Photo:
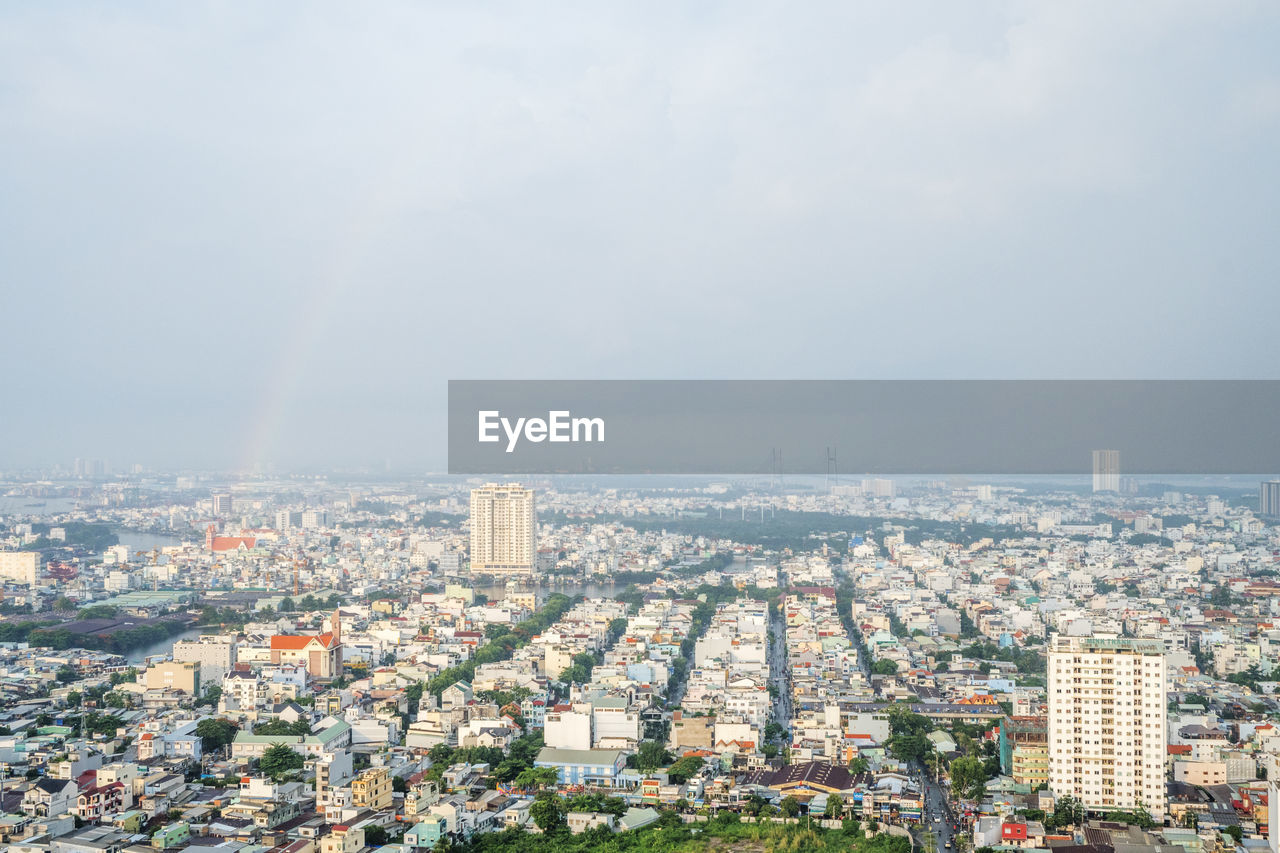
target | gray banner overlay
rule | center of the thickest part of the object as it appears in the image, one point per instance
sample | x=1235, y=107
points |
x=868, y=426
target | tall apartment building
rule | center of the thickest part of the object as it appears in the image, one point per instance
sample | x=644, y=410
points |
x=1269, y=498
x=1107, y=735
x=214, y=656
x=314, y=519
x=1106, y=470
x=222, y=505
x=503, y=530
x=20, y=567
x=288, y=519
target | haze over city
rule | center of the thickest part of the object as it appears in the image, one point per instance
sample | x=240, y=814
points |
x=341, y=512
x=242, y=235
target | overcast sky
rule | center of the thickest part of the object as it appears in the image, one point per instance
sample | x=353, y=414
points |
x=244, y=232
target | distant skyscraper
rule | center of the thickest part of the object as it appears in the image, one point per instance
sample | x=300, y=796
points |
x=503, y=530
x=1106, y=470
x=1269, y=498
x=287, y=519
x=314, y=519
x=1107, y=737
x=222, y=504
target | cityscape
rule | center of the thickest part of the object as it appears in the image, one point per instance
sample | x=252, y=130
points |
x=317, y=663
x=747, y=427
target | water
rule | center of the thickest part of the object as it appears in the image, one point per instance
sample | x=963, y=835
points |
x=162, y=647
x=22, y=505
x=591, y=589
x=138, y=541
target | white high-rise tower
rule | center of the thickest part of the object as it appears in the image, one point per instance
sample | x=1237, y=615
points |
x=1107, y=736
x=503, y=530
x=1106, y=470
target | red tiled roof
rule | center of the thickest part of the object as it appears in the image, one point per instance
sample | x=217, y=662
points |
x=232, y=543
x=298, y=642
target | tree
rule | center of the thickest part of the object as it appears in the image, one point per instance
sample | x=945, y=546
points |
x=129, y=676
x=547, y=811
x=66, y=674
x=1067, y=812
x=537, y=777
x=279, y=760
x=1139, y=817
x=651, y=756
x=374, y=835
x=215, y=733
x=910, y=747
x=904, y=722
x=884, y=666
x=790, y=806
x=1235, y=832
x=212, y=695
x=73, y=699
x=682, y=770
x=287, y=605
x=859, y=765
x=968, y=776
x=277, y=726
x=834, y=809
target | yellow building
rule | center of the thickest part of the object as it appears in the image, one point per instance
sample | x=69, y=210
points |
x=181, y=675
x=372, y=789
x=21, y=567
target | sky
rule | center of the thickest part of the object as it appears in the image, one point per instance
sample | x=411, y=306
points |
x=235, y=234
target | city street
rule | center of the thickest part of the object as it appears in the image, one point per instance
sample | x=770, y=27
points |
x=937, y=814
x=778, y=674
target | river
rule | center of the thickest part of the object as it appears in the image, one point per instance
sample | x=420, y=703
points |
x=22, y=505
x=494, y=590
x=162, y=647
x=136, y=540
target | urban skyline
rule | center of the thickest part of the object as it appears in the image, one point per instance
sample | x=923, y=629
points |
x=703, y=428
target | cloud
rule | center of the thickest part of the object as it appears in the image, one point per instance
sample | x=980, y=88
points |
x=295, y=208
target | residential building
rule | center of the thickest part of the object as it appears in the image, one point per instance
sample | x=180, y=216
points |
x=1106, y=470
x=1107, y=732
x=372, y=789
x=321, y=654
x=503, y=530
x=1269, y=499
x=20, y=567
x=174, y=675
x=599, y=767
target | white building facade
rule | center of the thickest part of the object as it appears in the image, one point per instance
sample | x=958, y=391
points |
x=1107, y=722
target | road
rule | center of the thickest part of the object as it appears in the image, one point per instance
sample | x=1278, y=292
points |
x=937, y=814
x=779, y=674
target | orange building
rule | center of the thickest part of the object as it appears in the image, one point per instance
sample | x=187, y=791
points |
x=321, y=654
